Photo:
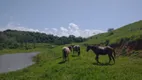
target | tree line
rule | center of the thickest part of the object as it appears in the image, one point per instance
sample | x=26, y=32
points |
x=15, y=39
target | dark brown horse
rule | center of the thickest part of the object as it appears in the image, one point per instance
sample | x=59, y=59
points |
x=66, y=51
x=75, y=48
x=102, y=51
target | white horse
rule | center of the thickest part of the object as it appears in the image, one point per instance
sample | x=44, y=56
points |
x=66, y=52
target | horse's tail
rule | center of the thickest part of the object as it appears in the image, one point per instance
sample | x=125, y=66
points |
x=113, y=51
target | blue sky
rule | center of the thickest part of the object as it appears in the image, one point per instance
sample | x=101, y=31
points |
x=64, y=17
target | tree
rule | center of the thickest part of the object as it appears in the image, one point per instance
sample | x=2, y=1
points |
x=23, y=38
x=3, y=38
x=110, y=29
x=11, y=43
x=71, y=38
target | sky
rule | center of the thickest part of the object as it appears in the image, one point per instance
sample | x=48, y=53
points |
x=68, y=17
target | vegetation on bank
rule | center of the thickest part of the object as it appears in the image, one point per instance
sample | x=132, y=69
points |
x=38, y=48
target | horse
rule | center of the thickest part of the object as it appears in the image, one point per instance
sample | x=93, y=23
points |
x=76, y=48
x=66, y=51
x=98, y=50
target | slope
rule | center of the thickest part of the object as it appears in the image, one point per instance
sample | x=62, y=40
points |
x=130, y=32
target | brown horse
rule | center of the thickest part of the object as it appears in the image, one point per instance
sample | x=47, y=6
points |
x=102, y=51
x=66, y=51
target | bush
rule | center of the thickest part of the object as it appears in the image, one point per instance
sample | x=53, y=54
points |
x=107, y=42
x=134, y=54
x=110, y=33
x=1, y=46
x=14, y=45
x=124, y=52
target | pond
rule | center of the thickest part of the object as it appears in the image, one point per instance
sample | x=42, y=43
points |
x=13, y=62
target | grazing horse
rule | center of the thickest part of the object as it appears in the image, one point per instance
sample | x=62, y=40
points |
x=102, y=51
x=66, y=51
x=76, y=48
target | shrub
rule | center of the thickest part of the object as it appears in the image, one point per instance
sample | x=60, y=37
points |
x=110, y=33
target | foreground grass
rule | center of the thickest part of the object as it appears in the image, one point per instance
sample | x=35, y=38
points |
x=49, y=66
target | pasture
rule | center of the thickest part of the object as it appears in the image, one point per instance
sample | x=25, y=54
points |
x=49, y=66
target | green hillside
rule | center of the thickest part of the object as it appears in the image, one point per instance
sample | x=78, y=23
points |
x=131, y=31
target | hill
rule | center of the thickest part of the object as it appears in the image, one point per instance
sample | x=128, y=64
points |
x=128, y=36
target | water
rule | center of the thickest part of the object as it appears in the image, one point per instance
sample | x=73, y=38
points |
x=13, y=62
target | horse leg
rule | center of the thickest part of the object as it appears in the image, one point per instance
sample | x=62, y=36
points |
x=63, y=55
x=73, y=51
x=68, y=57
x=113, y=58
x=109, y=58
x=79, y=52
x=97, y=58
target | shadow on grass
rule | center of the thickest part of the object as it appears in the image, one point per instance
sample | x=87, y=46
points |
x=58, y=57
x=74, y=55
x=61, y=62
x=103, y=64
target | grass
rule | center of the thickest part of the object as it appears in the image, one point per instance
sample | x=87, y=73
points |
x=49, y=66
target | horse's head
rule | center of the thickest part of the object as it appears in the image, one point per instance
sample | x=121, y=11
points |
x=70, y=47
x=91, y=47
x=88, y=48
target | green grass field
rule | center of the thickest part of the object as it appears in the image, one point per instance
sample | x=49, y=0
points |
x=49, y=66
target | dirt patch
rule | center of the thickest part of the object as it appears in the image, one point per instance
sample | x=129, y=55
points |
x=127, y=47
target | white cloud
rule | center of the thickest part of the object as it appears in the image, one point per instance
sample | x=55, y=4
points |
x=54, y=29
x=72, y=29
x=63, y=29
x=45, y=28
x=15, y=26
x=73, y=26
